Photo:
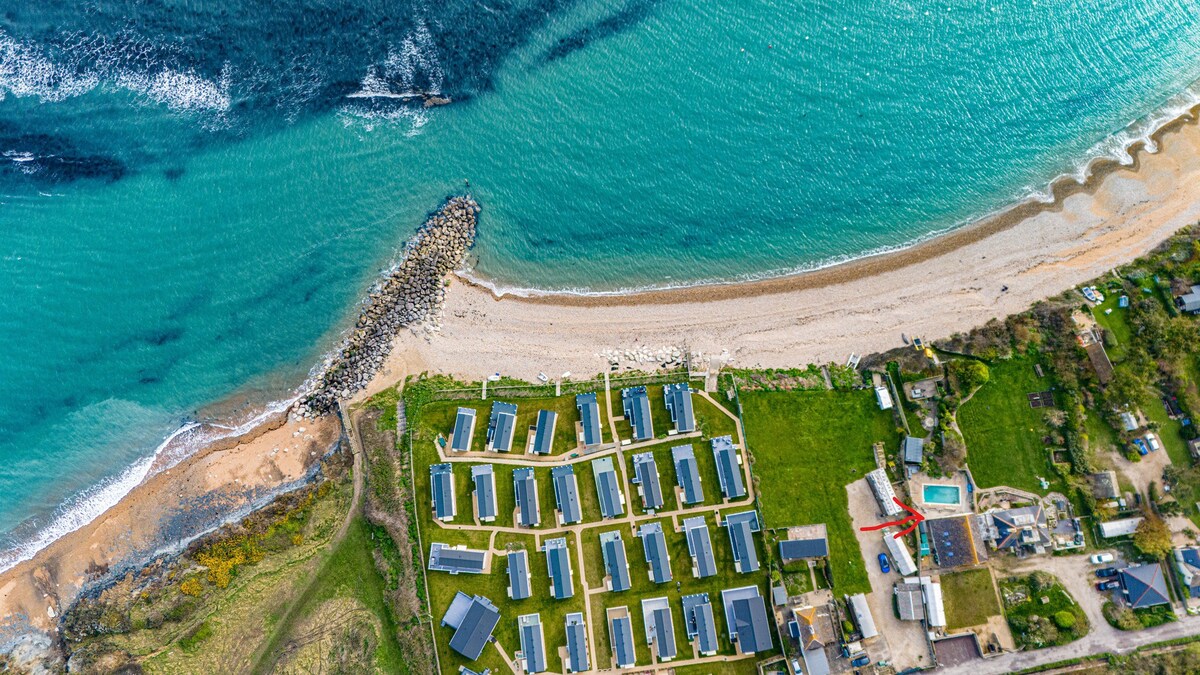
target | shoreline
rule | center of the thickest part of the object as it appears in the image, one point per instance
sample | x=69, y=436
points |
x=1095, y=171
x=952, y=282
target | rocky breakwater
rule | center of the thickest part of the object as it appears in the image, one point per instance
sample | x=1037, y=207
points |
x=409, y=294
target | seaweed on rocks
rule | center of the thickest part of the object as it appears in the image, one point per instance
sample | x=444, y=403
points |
x=409, y=294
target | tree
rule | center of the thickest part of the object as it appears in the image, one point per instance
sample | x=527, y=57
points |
x=970, y=374
x=1153, y=537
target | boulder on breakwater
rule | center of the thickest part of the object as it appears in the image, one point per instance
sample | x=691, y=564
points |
x=410, y=293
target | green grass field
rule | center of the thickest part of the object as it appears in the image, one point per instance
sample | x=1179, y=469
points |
x=970, y=598
x=1117, y=323
x=1003, y=434
x=807, y=446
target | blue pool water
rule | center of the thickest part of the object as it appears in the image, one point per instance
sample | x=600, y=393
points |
x=941, y=494
x=193, y=195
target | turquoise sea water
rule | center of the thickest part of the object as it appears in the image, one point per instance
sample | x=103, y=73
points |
x=193, y=200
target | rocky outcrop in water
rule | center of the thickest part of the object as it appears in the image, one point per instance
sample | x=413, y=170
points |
x=408, y=295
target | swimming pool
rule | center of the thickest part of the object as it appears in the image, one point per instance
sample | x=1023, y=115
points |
x=941, y=494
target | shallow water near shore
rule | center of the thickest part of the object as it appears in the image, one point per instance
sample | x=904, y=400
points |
x=192, y=224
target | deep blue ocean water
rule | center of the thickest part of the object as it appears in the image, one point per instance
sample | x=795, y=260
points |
x=193, y=195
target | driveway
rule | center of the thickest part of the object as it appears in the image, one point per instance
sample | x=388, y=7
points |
x=1076, y=575
x=900, y=642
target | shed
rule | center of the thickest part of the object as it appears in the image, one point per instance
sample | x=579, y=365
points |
x=913, y=450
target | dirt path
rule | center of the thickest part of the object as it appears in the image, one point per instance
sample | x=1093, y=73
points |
x=265, y=659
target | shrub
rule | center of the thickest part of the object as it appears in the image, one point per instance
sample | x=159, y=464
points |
x=191, y=586
x=1064, y=620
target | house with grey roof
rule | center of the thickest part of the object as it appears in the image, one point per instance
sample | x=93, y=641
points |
x=741, y=528
x=654, y=545
x=464, y=430
x=645, y=476
x=608, y=488
x=636, y=404
x=621, y=638
x=566, y=494
x=502, y=425
x=1023, y=528
x=1187, y=562
x=1189, y=302
x=1144, y=586
x=441, y=481
x=463, y=670
x=704, y=564
x=473, y=620
x=456, y=559
x=558, y=566
x=912, y=449
x=660, y=630
x=687, y=474
x=525, y=491
x=533, y=643
x=577, y=648
x=519, y=577
x=678, y=398
x=589, y=419
x=805, y=548
x=484, y=478
x=616, y=565
x=543, y=433
x=729, y=467
x=700, y=624
x=746, y=619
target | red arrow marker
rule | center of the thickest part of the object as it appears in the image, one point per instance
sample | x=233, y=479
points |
x=911, y=520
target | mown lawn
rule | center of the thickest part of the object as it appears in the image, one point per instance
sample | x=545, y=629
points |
x=807, y=446
x=1003, y=434
x=1117, y=323
x=970, y=598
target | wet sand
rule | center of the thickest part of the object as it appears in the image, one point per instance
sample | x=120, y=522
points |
x=945, y=285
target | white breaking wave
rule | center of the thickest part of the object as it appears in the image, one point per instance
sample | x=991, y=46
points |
x=86, y=506
x=410, y=70
x=26, y=70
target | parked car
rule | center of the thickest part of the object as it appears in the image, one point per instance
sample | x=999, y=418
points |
x=860, y=661
x=1101, y=558
x=883, y=563
x=1106, y=572
x=1110, y=585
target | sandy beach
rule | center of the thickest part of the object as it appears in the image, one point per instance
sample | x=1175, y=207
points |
x=932, y=290
x=224, y=478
